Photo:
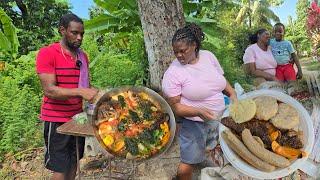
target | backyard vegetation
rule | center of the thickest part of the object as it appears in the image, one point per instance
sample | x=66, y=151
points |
x=115, y=45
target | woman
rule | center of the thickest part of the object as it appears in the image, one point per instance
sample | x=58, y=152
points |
x=258, y=59
x=193, y=85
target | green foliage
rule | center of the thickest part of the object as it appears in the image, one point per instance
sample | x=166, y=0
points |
x=116, y=16
x=255, y=13
x=120, y=61
x=240, y=40
x=314, y=66
x=227, y=43
x=296, y=31
x=35, y=19
x=8, y=37
x=20, y=99
x=115, y=70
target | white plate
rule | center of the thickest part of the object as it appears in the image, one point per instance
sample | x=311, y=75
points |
x=305, y=126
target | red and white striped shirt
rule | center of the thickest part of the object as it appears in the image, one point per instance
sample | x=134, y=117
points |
x=52, y=60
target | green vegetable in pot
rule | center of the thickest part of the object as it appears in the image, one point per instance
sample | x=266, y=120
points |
x=80, y=118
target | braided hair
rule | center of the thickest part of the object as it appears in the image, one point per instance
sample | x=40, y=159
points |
x=190, y=33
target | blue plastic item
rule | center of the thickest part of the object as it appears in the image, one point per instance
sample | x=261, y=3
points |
x=226, y=100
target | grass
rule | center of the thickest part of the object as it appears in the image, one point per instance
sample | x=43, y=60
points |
x=314, y=66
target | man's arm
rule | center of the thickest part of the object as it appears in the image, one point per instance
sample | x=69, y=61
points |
x=51, y=90
x=297, y=62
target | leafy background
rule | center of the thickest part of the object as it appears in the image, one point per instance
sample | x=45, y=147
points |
x=114, y=43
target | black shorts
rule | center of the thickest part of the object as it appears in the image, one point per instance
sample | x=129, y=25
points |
x=60, y=154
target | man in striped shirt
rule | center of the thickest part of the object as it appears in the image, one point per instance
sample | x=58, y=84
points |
x=63, y=72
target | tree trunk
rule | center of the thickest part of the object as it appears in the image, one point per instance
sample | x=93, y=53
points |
x=160, y=19
x=249, y=14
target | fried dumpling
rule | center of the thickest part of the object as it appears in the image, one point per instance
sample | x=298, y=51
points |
x=286, y=118
x=267, y=107
x=243, y=110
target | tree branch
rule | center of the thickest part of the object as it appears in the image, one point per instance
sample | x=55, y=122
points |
x=23, y=8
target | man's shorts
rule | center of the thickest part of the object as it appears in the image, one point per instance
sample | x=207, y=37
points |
x=60, y=155
x=286, y=72
x=194, y=138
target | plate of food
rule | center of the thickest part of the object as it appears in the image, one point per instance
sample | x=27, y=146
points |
x=266, y=134
x=133, y=123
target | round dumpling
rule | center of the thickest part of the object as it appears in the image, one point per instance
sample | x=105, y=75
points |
x=243, y=110
x=267, y=107
x=286, y=118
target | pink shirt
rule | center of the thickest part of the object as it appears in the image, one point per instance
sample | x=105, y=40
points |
x=264, y=60
x=200, y=85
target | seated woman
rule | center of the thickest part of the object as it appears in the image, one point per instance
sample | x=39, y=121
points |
x=258, y=59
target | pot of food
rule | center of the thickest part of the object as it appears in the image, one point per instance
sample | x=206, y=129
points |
x=133, y=123
x=268, y=136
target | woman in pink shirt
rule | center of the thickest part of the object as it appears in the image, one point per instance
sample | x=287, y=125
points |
x=193, y=85
x=258, y=59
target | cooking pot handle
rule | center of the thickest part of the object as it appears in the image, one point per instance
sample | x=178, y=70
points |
x=310, y=168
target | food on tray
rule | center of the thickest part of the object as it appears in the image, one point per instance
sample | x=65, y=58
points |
x=267, y=107
x=239, y=148
x=287, y=152
x=261, y=152
x=286, y=118
x=243, y=110
x=275, y=141
x=132, y=125
x=258, y=128
x=290, y=138
x=258, y=139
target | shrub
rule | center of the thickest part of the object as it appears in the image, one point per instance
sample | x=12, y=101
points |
x=120, y=61
x=20, y=99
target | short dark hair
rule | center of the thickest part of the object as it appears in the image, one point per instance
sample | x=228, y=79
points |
x=279, y=24
x=254, y=37
x=67, y=18
x=190, y=33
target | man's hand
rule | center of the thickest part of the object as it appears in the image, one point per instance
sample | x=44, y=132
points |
x=299, y=74
x=205, y=114
x=88, y=93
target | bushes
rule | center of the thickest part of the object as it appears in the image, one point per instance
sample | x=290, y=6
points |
x=120, y=61
x=240, y=39
x=116, y=70
x=20, y=99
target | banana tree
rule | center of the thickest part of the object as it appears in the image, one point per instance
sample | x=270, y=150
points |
x=206, y=14
x=8, y=38
x=118, y=16
x=257, y=12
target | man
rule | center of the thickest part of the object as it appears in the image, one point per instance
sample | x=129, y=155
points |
x=63, y=72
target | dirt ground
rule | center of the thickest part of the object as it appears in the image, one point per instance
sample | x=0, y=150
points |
x=31, y=166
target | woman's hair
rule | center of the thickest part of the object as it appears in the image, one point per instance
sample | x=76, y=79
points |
x=190, y=33
x=67, y=18
x=254, y=37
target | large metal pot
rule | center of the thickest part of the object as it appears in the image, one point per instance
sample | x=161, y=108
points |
x=153, y=95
